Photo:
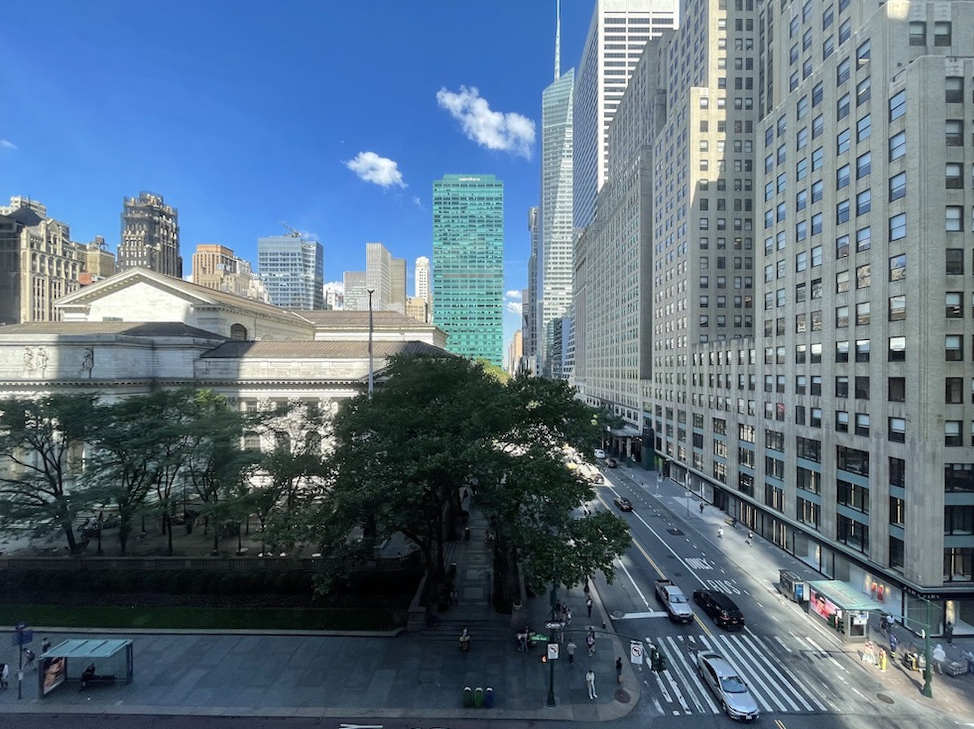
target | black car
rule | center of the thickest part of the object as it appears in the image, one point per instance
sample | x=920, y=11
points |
x=720, y=608
x=623, y=503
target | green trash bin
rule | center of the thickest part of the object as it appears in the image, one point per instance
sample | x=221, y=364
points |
x=467, y=697
x=478, y=697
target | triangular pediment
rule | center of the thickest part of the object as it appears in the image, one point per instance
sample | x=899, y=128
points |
x=132, y=277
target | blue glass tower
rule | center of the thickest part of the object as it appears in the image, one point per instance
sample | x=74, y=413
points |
x=468, y=265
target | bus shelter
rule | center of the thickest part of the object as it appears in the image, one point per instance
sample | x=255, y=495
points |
x=842, y=607
x=111, y=660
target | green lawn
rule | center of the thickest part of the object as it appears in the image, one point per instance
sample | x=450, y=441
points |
x=201, y=618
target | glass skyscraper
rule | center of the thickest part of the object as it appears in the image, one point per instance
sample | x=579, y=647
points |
x=468, y=265
x=293, y=270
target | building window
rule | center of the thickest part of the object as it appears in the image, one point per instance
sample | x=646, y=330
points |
x=954, y=89
x=864, y=202
x=862, y=313
x=863, y=276
x=897, y=227
x=896, y=389
x=953, y=390
x=918, y=33
x=954, y=132
x=862, y=424
x=897, y=307
x=952, y=304
x=954, y=348
x=841, y=317
x=842, y=351
x=897, y=349
x=897, y=267
x=952, y=433
x=954, y=261
x=852, y=495
x=897, y=105
x=897, y=186
x=862, y=350
x=852, y=533
x=941, y=33
x=954, y=218
x=852, y=460
x=808, y=512
x=954, y=176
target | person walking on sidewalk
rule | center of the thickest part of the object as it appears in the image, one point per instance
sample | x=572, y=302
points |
x=748, y=540
x=571, y=651
x=700, y=506
x=588, y=605
x=4, y=672
x=619, y=669
x=590, y=684
x=590, y=642
x=949, y=632
x=569, y=616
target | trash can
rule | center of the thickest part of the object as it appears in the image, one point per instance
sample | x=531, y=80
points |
x=489, y=698
x=467, y=697
x=478, y=697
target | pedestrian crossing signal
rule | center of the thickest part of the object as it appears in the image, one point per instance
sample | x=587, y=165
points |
x=544, y=657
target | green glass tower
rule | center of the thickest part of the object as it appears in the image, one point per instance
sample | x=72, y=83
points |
x=468, y=265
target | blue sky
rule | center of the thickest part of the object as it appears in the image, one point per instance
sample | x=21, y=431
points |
x=245, y=114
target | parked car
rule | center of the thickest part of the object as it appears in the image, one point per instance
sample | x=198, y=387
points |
x=611, y=462
x=623, y=503
x=720, y=608
x=599, y=454
x=729, y=688
x=674, y=601
x=596, y=478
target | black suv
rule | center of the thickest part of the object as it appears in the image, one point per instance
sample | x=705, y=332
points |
x=720, y=608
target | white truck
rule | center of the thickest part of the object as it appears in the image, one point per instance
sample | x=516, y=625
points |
x=676, y=603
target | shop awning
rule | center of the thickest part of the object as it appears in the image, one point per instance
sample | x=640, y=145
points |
x=626, y=432
x=846, y=597
x=88, y=648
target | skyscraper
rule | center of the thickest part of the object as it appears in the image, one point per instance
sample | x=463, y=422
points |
x=468, y=264
x=397, y=292
x=216, y=267
x=555, y=265
x=292, y=268
x=150, y=235
x=616, y=36
x=422, y=278
x=386, y=276
x=530, y=312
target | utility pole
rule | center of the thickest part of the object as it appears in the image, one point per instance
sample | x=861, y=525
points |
x=371, y=291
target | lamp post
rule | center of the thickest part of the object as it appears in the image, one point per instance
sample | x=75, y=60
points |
x=927, y=668
x=551, y=682
x=686, y=485
x=371, y=291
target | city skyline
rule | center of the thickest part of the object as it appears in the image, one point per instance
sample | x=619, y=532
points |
x=311, y=178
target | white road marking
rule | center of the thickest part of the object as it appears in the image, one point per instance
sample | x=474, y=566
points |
x=763, y=654
x=733, y=655
x=649, y=614
x=698, y=563
x=782, y=644
x=676, y=690
x=692, y=676
x=658, y=707
x=635, y=586
x=827, y=655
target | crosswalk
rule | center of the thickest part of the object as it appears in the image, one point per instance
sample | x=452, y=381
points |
x=776, y=669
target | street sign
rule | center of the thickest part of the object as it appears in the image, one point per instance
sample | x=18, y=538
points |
x=636, y=651
x=22, y=637
x=554, y=625
x=552, y=651
x=20, y=626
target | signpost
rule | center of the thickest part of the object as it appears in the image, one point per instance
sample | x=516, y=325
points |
x=21, y=637
x=636, y=652
x=552, y=657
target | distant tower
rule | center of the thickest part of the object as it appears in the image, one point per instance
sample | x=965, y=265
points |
x=422, y=277
x=292, y=268
x=150, y=235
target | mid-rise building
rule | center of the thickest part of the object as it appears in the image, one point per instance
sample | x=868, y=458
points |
x=397, y=293
x=334, y=292
x=515, y=353
x=422, y=278
x=150, y=235
x=468, y=264
x=356, y=291
x=39, y=262
x=292, y=269
x=418, y=308
x=617, y=34
x=216, y=267
x=386, y=277
x=99, y=261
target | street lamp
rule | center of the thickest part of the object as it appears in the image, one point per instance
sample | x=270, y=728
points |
x=371, y=291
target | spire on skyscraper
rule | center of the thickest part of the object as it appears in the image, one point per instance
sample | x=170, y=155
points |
x=557, y=39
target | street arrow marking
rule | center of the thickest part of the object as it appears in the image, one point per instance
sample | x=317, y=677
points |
x=650, y=614
x=359, y=726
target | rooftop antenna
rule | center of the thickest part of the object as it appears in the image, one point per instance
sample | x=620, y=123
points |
x=294, y=233
x=557, y=39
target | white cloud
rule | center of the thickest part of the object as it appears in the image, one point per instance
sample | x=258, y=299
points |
x=513, y=294
x=514, y=307
x=370, y=167
x=7, y=144
x=338, y=286
x=508, y=132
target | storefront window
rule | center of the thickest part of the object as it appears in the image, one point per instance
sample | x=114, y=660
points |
x=807, y=550
x=961, y=614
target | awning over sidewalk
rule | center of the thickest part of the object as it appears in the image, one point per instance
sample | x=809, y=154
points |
x=626, y=432
x=112, y=659
x=845, y=596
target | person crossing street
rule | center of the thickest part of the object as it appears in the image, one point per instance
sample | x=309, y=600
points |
x=590, y=684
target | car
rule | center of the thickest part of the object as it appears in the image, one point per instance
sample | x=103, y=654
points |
x=599, y=454
x=720, y=608
x=729, y=688
x=611, y=462
x=596, y=478
x=623, y=503
x=674, y=601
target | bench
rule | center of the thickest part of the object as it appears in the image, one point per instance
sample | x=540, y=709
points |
x=106, y=680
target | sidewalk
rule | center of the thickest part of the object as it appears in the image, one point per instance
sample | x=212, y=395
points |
x=412, y=675
x=762, y=560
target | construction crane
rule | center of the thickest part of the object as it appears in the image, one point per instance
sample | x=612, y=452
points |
x=294, y=233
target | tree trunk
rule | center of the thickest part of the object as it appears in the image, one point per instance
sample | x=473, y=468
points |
x=69, y=535
x=123, y=534
x=216, y=538
x=168, y=527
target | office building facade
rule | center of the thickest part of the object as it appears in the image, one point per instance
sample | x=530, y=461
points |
x=150, y=235
x=356, y=289
x=422, y=278
x=468, y=264
x=618, y=31
x=292, y=269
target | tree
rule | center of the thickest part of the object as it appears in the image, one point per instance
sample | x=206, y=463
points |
x=37, y=485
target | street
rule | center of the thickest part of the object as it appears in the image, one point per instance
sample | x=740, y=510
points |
x=794, y=667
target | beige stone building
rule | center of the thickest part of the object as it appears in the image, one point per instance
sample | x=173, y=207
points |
x=216, y=267
x=99, y=261
x=39, y=262
x=418, y=308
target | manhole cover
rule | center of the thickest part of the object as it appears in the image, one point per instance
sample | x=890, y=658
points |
x=885, y=698
x=675, y=532
x=622, y=696
x=616, y=614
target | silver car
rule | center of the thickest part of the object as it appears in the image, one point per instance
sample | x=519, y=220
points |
x=729, y=688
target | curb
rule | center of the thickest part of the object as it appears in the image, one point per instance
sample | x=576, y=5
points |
x=616, y=709
x=215, y=631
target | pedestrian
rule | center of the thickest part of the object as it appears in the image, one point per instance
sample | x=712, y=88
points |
x=590, y=684
x=45, y=645
x=748, y=540
x=590, y=643
x=569, y=616
x=4, y=672
x=619, y=669
x=893, y=641
x=720, y=532
x=588, y=605
x=949, y=632
x=571, y=651
x=700, y=506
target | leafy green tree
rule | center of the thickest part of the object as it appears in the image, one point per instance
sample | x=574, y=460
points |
x=38, y=486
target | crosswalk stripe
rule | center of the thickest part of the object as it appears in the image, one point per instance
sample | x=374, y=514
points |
x=732, y=657
x=692, y=676
x=676, y=690
x=827, y=655
x=761, y=654
x=675, y=654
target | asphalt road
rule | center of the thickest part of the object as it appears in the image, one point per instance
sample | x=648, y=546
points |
x=795, y=668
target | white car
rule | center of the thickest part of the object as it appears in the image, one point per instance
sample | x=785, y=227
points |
x=731, y=690
x=599, y=454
